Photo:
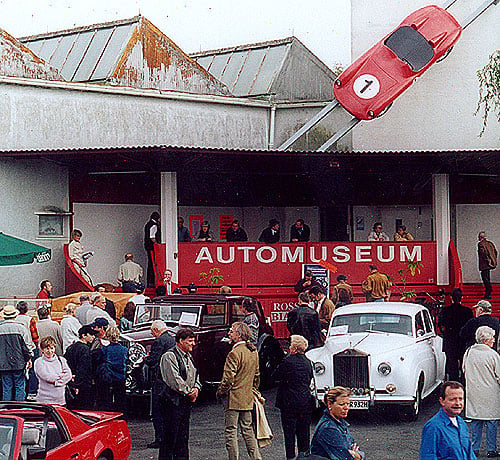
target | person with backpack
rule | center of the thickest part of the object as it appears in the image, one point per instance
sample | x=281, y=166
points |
x=342, y=292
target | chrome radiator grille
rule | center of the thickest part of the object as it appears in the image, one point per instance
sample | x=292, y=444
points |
x=350, y=370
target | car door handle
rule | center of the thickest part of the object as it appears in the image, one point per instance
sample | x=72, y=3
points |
x=75, y=455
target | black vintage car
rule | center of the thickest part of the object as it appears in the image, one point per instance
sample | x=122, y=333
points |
x=210, y=316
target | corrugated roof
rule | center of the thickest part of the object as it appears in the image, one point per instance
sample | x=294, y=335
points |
x=88, y=53
x=247, y=70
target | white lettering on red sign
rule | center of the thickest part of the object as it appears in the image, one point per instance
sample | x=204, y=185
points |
x=339, y=254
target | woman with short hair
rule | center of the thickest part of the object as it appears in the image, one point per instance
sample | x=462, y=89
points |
x=332, y=438
x=294, y=398
x=481, y=366
x=53, y=374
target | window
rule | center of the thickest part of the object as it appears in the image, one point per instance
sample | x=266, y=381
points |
x=428, y=322
x=379, y=322
x=237, y=314
x=213, y=315
x=411, y=47
x=419, y=325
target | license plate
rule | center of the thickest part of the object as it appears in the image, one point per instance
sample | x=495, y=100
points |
x=359, y=404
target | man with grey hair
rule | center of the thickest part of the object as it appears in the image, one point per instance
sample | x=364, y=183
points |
x=239, y=379
x=293, y=398
x=483, y=318
x=97, y=310
x=487, y=255
x=162, y=343
x=481, y=366
x=81, y=311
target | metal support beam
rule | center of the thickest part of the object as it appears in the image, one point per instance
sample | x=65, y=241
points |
x=339, y=134
x=312, y=122
x=479, y=12
x=448, y=4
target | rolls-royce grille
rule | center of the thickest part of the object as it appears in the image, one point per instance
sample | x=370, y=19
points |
x=350, y=370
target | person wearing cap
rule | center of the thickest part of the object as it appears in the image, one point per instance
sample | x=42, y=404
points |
x=49, y=328
x=129, y=274
x=271, y=234
x=306, y=283
x=80, y=363
x=162, y=343
x=97, y=310
x=483, y=318
x=14, y=355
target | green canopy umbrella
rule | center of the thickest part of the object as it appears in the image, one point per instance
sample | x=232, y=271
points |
x=14, y=251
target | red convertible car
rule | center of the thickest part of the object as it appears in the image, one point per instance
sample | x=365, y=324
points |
x=371, y=83
x=42, y=431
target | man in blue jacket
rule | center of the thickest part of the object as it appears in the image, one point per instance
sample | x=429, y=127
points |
x=446, y=436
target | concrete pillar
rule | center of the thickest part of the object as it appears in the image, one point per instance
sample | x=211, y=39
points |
x=442, y=226
x=168, y=211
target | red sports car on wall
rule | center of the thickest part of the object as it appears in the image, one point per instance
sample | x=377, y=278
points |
x=372, y=82
x=41, y=431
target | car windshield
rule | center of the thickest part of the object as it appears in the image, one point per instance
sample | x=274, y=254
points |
x=380, y=322
x=184, y=314
x=7, y=435
x=411, y=47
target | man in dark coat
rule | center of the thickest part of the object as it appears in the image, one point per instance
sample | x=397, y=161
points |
x=152, y=236
x=163, y=342
x=294, y=398
x=306, y=283
x=483, y=318
x=300, y=232
x=271, y=234
x=80, y=363
x=487, y=255
x=304, y=320
x=236, y=233
x=451, y=319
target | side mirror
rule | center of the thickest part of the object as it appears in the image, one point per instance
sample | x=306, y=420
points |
x=36, y=453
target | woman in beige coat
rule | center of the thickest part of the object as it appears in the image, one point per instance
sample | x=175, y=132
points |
x=481, y=366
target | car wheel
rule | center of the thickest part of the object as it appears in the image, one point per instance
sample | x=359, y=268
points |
x=445, y=55
x=410, y=412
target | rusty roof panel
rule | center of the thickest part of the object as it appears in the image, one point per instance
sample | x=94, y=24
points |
x=16, y=60
x=233, y=69
x=60, y=55
x=76, y=54
x=113, y=50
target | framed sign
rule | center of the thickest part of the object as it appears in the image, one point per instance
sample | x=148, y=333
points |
x=321, y=275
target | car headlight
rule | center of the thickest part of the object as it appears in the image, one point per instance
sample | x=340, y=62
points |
x=319, y=368
x=384, y=369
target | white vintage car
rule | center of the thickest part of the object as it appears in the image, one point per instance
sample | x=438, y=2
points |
x=385, y=352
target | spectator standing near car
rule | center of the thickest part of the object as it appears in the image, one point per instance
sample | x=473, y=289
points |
x=376, y=286
x=129, y=273
x=183, y=235
x=80, y=362
x=29, y=322
x=239, y=380
x=271, y=234
x=45, y=290
x=294, y=398
x=162, y=343
x=377, y=234
x=482, y=380
x=451, y=319
x=181, y=389
x=49, y=328
x=14, y=356
x=323, y=305
x=306, y=283
x=127, y=319
x=332, y=439
x=110, y=373
x=85, y=305
x=483, y=318
x=110, y=305
x=97, y=310
x=402, y=234
x=342, y=292
x=446, y=436
x=152, y=236
x=53, y=373
x=236, y=233
x=69, y=326
x=487, y=256
x=304, y=320
x=249, y=309
x=300, y=232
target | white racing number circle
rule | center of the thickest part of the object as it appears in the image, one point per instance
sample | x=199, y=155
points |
x=366, y=86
